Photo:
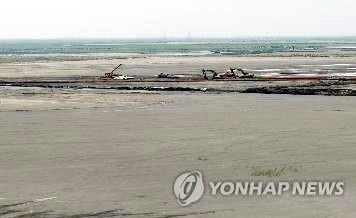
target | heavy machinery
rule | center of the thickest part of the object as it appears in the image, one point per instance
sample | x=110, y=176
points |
x=231, y=73
x=169, y=76
x=227, y=74
x=205, y=75
x=243, y=73
x=111, y=75
x=114, y=76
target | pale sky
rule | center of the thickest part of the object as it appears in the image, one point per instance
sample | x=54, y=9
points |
x=175, y=18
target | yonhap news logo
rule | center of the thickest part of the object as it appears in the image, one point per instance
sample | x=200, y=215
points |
x=189, y=188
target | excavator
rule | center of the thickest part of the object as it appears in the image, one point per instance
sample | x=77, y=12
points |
x=204, y=71
x=111, y=74
x=231, y=73
x=114, y=76
x=244, y=74
x=227, y=74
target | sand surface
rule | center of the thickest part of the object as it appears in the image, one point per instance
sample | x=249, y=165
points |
x=180, y=65
x=79, y=152
x=88, y=151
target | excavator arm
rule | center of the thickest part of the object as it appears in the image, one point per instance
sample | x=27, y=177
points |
x=111, y=74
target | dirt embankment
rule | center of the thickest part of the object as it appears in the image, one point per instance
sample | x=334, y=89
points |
x=293, y=87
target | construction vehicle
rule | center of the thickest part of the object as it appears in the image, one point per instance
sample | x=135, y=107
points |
x=111, y=75
x=227, y=74
x=169, y=76
x=231, y=73
x=205, y=75
x=163, y=75
x=114, y=76
x=244, y=74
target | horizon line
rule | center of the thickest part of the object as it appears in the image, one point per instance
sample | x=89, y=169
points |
x=180, y=38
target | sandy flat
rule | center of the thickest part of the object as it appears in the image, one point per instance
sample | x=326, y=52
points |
x=177, y=65
x=126, y=153
x=71, y=151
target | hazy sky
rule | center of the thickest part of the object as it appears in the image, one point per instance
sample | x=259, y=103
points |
x=175, y=18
